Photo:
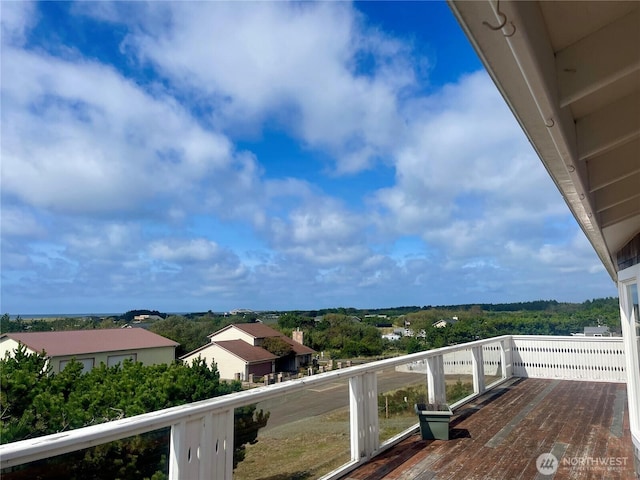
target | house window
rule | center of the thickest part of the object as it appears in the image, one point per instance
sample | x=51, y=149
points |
x=116, y=359
x=87, y=364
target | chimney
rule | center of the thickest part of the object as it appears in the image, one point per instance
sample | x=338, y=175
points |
x=298, y=336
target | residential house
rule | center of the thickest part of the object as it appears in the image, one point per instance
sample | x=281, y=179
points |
x=235, y=359
x=93, y=347
x=444, y=322
x=237, y=351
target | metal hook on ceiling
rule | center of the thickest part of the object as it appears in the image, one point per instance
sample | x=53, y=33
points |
x=503, y=22
x=501, y=15
x=513, y=32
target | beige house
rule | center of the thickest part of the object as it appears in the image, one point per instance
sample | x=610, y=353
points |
x=237, y=351
x=93, y=347
x=235, y=359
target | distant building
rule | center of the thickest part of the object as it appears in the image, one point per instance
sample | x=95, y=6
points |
x=600, y=331
x=240, y=311
x=150, y=318
x=444, y=322
x=237, y=351
x=394, y=337
x=93, y=347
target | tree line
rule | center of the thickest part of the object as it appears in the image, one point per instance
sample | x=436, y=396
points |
x=348, y=332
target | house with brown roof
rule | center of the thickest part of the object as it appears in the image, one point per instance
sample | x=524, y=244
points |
x=93, y=347
x=238, y=351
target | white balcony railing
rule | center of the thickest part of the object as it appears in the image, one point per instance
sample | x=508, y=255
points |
x=207, y=426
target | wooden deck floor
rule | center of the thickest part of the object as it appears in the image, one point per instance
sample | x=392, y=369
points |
x=501, y=434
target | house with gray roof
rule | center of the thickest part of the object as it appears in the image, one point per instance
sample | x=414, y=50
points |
x=600, y=331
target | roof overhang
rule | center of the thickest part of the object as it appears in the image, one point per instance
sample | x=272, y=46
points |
x=570, y=73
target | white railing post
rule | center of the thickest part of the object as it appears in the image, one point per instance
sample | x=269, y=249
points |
x=477, y=363
x=363, y=407
x=507, y=367
x=202, y=448
x=435, y=380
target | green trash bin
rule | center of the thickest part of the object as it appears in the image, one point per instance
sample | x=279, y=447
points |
x=434, y=420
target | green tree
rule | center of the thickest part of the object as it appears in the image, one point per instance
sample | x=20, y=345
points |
x=277, y=346
x=35, y=402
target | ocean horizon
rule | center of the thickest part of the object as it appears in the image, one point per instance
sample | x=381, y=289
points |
x=35, y=316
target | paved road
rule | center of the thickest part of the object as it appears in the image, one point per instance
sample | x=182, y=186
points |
x=326, y=398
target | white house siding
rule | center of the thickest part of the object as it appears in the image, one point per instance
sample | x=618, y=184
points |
x=228, y=364
x=234, y=334
x=7, y=346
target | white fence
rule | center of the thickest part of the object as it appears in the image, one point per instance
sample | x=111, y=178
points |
x=460, y=362
x=593, y=359
x=207, y=426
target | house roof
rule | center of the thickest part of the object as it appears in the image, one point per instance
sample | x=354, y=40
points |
x=78, y=342
x=595, y=330
x=239, y=348
x=246, y=351
x=260, y=330
x=256, y=330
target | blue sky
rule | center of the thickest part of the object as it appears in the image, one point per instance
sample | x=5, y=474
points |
x=220, y=155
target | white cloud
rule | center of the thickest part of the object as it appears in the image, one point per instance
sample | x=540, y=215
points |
x=94, y=241
x=466, y=173
x=19, y=222
x=292, y=63
x=322, y=232
x=16, y=19
x=97, y=142
x=199, y=250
